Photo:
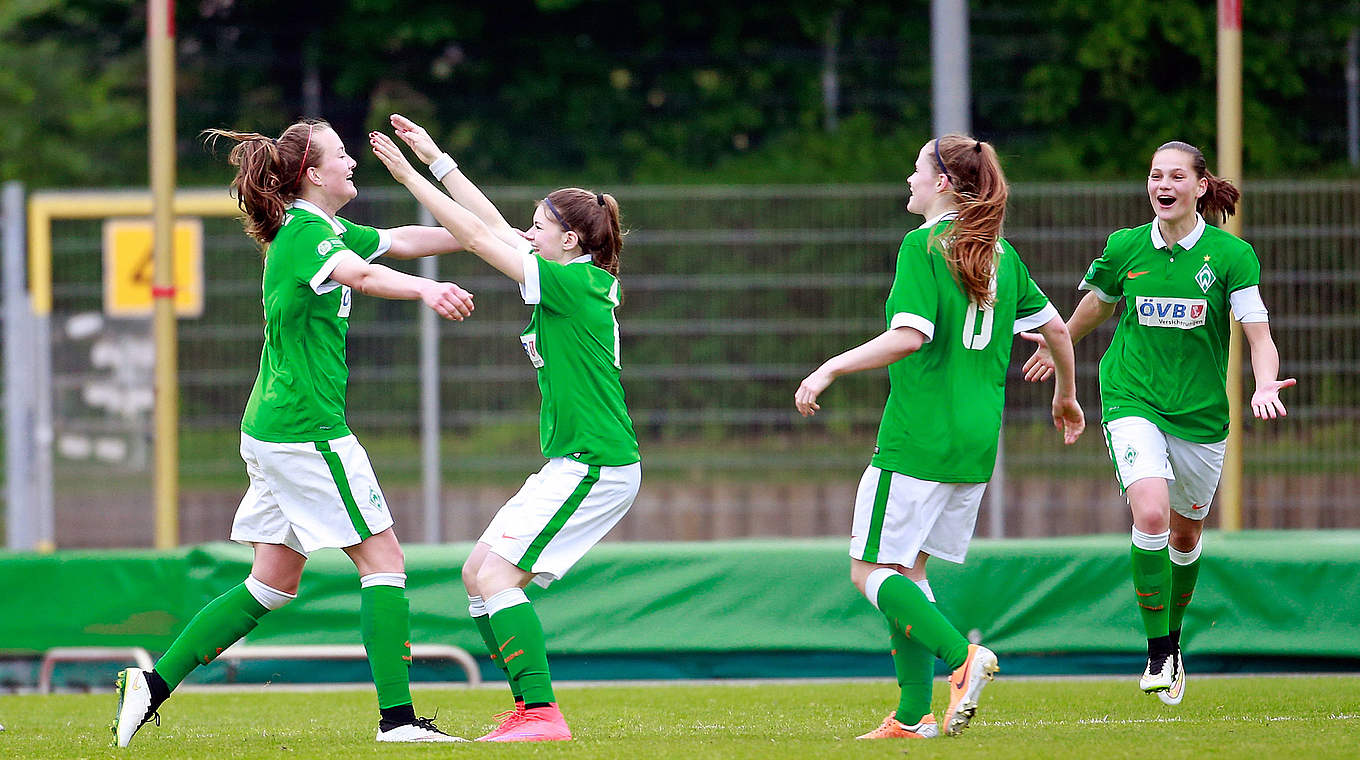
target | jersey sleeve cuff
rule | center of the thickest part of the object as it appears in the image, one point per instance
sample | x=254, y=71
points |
x=1247, y=305
x=384, y=244
x=1102, y=295
x=905, y=319
x=531, y=289
x=1037, y=319
x=321, y=282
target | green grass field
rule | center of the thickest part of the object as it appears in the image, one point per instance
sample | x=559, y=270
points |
x=1225, y=717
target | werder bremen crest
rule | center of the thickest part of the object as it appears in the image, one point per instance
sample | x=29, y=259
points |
x=1205, y=277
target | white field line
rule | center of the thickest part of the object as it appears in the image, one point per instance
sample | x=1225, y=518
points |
x=1107, y=720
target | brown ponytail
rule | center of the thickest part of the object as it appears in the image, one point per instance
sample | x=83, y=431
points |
x=269, y=173
x=594, y=217
x=1220, y=199
x=970, y=245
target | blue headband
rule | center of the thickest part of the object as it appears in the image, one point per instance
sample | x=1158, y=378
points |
x=565, y=227
x=940, y=161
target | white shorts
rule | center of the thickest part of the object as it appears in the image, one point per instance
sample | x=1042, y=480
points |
x=309, y=496
x=898, y=516
x=1140, y=450
x=559, y=513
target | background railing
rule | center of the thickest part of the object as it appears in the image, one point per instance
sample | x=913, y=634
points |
x=730, y=296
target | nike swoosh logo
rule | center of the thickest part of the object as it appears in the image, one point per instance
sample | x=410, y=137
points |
x=963, y=678
x=510, y=537
x=1132, y=275
x=507, y=643
x=1150, y=593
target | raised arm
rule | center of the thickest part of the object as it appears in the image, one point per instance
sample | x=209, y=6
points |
x=445, y=298
x=416, y=241
x=893, y=345
x=467, y=194
x=1088, y=315
x=476, y=237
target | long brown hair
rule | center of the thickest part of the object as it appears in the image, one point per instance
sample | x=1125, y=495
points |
x=1220, y=199
x=269, y=172
x=979, y=185
x=594, y=217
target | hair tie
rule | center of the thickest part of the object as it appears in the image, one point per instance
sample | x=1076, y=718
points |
x=305, y=148
x=977, y=146
x=599, y=198
x=940, y=161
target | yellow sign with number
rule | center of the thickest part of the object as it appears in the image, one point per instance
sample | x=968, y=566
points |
x=129, y=271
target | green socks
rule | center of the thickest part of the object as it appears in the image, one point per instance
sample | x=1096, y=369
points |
x=908, y=610
x=518, y=638
x=1152, y=581
x=1184, y=574
x=915, y=668
x=385, y=622
x=477, y=609
x=217, y=626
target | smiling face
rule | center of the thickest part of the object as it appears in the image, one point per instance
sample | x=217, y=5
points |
x=1173, y=187
x=329, y=181
x=549, y=239
x=926, y=184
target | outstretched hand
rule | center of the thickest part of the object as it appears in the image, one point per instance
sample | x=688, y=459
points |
x=1040, y=366
x=805, y=398
x=448, y=300
x=416, y=138
x=392, y=157
x=1266, y=403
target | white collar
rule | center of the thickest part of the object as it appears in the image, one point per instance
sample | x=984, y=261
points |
x=308, y=206
x=1186, y=242
x=951, y=214
x=583, y=257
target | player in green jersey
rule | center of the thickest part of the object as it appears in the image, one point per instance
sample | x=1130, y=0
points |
x=960, y=294
x=567, y=268
x=1163, y=381
x=311, y=484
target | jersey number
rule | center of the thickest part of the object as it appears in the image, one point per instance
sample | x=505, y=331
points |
x=976, y=338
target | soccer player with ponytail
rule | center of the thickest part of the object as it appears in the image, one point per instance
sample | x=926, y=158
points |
x=311, y=484
x=1163, y=381
x=960, y=294
x=567, y=268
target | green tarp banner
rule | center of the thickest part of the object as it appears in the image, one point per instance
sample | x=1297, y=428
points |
x=1260, y=594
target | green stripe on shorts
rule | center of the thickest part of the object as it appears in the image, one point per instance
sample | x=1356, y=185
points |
x=342, y=485
x=559, y=519
x=1109, y=446
x=875, y=536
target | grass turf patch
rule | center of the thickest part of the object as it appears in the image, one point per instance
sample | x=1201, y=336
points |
x=1317, y=717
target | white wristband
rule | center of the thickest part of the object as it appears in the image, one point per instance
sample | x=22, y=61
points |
x=442, y=165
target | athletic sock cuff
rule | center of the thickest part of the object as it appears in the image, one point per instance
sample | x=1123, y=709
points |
x=924, y=585
x=1185, y=558
x=383, y=579
x=269, y=598
x=504, y=600
x=875, y=581
x=1151, y=542
x=476, y=607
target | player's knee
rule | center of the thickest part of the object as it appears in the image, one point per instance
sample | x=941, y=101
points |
x=470, y=577
x=269, y=597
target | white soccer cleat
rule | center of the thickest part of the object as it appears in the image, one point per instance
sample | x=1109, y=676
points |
x=1176, y=693
x=1159, y=674
x=965, y=687
x=134, y=705
x=422, y=731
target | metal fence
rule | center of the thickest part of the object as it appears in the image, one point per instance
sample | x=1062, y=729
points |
x=730, y=296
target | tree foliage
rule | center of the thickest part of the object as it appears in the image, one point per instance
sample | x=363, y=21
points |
x=607, y=91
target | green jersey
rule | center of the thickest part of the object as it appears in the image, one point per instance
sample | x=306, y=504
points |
x=573, y=341
x=1167, y=362
x=299, y=394
x=943, y=413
